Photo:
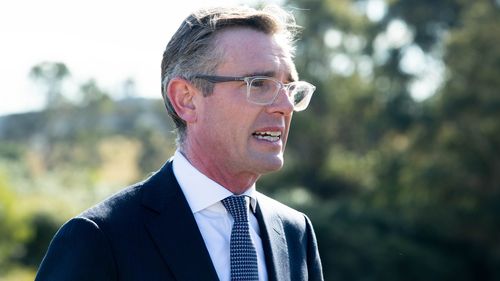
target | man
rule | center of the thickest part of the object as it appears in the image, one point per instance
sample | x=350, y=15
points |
x=230, y=85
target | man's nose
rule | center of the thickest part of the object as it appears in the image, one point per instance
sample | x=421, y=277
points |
x=282, y=104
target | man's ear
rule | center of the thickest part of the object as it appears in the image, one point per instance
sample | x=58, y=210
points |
x=181, y=94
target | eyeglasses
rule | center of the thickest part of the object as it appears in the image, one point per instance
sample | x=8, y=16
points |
x=263, y=90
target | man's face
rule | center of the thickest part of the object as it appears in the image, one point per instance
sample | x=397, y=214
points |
x=235, y=136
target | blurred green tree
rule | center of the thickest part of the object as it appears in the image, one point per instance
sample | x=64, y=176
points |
x=51, y=75
x=14, y=229
x=398, y=189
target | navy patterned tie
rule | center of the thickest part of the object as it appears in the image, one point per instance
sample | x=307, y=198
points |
x=243, y=254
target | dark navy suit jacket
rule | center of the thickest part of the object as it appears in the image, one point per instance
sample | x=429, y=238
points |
x=147, y=232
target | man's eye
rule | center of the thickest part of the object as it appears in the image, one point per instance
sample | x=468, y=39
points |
x=258, y=83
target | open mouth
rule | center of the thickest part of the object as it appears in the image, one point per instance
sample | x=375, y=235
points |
x=271, y=136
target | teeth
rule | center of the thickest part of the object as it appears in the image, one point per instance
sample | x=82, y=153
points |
x=268, y=135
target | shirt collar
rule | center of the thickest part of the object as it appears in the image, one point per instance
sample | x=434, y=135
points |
x=200, y=191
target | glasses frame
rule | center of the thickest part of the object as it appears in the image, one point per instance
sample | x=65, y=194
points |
x=249, y=79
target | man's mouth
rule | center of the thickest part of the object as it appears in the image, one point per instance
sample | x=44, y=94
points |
x=271, y=136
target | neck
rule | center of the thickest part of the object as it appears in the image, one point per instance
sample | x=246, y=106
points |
x=235, y=182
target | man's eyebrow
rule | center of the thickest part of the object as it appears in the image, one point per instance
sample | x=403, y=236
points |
x=269, y=74
x=261, y=73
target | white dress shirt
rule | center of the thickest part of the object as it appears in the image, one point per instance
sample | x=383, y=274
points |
x=215, y=223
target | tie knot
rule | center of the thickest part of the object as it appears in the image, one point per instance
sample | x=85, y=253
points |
x=237, y=207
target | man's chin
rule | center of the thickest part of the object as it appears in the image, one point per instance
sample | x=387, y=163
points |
x=271, y=164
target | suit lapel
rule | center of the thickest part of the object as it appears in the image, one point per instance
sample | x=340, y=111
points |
x=172, y=227
x=273, y=241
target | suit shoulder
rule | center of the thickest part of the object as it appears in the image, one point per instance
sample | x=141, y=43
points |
x=286, y=213
x=277, y=205
x=123, y=209
x=120, y=201
x=70, y=258
x=124, y=205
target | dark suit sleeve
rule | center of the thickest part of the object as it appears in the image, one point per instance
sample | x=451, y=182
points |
x=315, y=271
x=79, y=251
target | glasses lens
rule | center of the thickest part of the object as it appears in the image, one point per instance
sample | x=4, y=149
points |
x=262, y=90
x=301, y=93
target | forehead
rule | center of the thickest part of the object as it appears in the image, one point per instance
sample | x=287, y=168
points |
x=246, y=51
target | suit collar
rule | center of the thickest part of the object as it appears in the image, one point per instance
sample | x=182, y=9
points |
x=172, y=227
x=273, y=240
x=201, y=191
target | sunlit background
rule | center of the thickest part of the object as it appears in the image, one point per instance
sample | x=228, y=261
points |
x=110, y=41
x=395, y=161
x=119, y=41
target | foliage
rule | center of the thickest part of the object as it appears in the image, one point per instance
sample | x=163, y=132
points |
x=66, y=158
x=403, y=189
x=398, y=188
x=14, y=230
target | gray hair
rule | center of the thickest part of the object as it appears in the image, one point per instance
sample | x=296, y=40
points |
x=192, y=49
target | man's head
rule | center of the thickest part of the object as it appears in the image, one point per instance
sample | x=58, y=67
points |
x=192, y=49
x=230, y=84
